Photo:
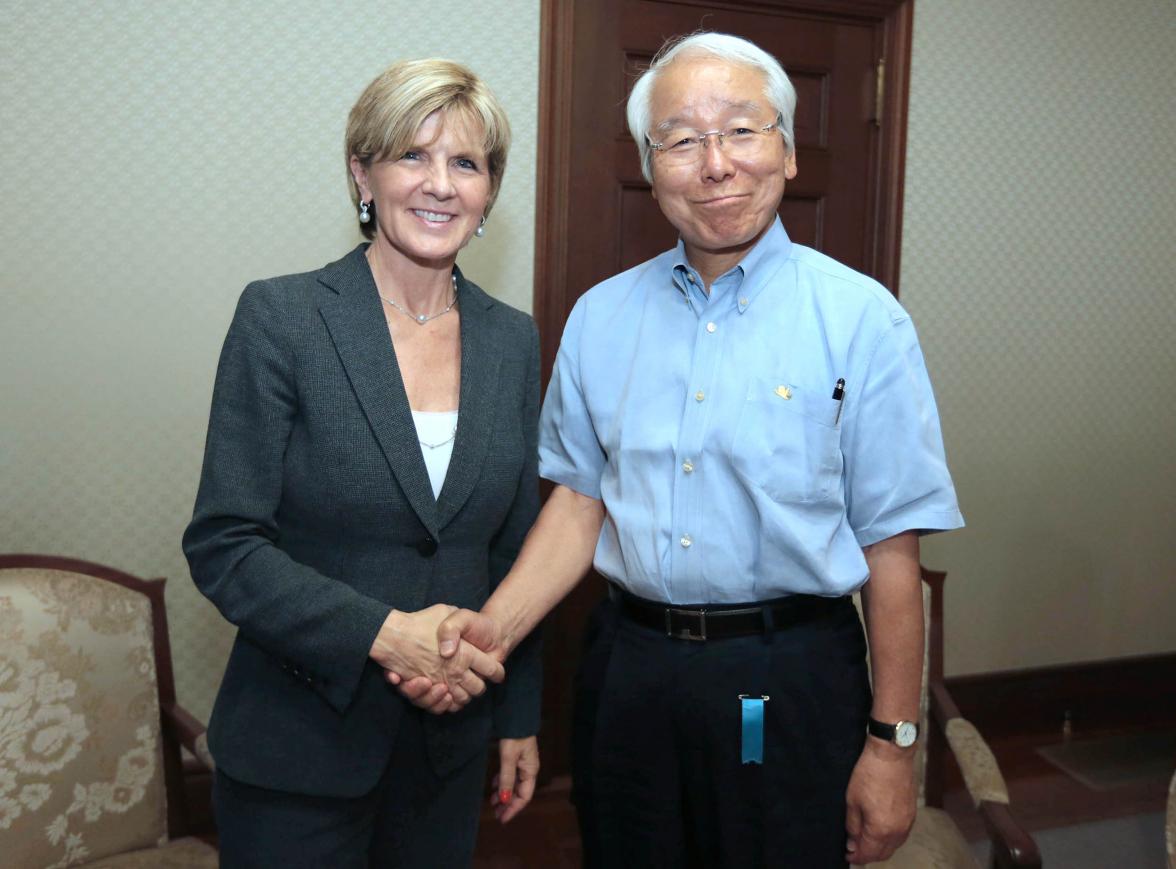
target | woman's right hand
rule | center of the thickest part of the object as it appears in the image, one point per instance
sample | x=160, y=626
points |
x=406, y=646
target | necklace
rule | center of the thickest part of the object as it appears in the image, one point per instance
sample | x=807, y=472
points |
x=421, y=319
x=452, y=435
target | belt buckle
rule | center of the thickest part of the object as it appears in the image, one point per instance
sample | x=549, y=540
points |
x=686, y=633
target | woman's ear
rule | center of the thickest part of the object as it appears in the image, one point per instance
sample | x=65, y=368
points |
x=360, y=174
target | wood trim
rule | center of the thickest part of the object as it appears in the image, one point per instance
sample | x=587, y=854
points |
x=552, y=175
x=897, y=32
x=936, y=745
x=1118, y=694
x=869, y=10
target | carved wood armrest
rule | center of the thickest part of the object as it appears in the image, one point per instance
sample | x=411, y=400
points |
x=189, y=731
x=1012, y=846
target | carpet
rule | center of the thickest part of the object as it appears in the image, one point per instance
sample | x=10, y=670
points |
x=1114, y=761
x=1133, y=842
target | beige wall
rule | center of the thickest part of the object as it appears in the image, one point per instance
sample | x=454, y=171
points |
x=154, y=157
x=1039, y=262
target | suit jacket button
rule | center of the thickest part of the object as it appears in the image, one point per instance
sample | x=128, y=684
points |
x=427, y=547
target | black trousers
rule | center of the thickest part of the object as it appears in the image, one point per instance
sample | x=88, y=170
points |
x=411, y=818
x=657, y=762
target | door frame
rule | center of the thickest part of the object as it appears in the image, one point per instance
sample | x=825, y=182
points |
x=551, y=300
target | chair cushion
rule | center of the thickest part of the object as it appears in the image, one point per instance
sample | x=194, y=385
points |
x=179, y=854
x=81, y=773
x=935, y=842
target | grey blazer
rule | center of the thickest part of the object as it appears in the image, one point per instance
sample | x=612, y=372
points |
x=315, y=518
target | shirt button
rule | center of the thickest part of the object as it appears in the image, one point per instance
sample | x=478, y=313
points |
x=688, y=466
x=685, y=541
x=690, y=278
x=699, y=396
x=743, y=301
x=710, y=327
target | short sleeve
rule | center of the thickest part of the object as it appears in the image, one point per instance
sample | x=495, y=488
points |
x=896, y=476
x=570, y=454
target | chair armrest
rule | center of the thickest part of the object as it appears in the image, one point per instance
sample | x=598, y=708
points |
x=190, y=732
x=978, y=764
x=1012, y=846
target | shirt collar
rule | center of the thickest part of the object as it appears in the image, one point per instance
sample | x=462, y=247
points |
x=748, y=277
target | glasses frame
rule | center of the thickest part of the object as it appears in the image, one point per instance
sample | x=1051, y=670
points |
x=660, y=147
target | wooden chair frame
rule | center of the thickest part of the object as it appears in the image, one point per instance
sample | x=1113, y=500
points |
x=177, y=726
x=1012, y=846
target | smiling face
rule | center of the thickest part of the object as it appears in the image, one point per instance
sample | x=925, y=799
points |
x=720, y=204
x=429, y=200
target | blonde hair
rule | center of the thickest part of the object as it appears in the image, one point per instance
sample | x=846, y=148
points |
x=385, y=119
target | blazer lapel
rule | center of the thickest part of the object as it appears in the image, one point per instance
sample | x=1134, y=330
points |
x=481, y=356
x=356, y=323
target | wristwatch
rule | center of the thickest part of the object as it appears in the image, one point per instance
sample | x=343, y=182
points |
x=904, y=734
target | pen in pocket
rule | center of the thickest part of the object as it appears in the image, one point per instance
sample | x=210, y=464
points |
x=839, y=396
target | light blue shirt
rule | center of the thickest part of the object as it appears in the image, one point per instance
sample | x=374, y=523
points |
x=708, y=427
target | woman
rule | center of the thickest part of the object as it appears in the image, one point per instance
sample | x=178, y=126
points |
x=371, y=461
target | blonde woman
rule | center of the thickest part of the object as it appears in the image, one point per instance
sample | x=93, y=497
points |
x=370, y=464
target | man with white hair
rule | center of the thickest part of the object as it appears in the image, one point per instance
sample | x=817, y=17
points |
x=742, y=434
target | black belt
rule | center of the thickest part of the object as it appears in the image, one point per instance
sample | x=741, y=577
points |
x=719, y=621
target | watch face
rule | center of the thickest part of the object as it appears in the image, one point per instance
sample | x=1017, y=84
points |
x=905, y=734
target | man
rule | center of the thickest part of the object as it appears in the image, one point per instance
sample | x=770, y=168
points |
x=742, y=432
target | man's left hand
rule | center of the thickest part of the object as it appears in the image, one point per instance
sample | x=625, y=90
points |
x=880, y=802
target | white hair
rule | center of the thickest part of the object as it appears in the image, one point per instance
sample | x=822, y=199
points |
x=778, y=90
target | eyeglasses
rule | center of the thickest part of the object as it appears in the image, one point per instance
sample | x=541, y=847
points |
x=683, y=145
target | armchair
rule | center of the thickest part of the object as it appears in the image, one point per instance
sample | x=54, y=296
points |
x=935, y=841
x=90, y=731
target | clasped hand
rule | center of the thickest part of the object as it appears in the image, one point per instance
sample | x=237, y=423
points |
x=438, y=675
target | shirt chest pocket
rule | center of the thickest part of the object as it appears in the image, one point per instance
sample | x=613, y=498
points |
x=787, y=441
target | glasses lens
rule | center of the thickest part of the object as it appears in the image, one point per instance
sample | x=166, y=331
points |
x=684, y=146
x=681, y=146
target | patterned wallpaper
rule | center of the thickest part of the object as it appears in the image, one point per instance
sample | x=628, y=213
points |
x=1039, y=262
x=154, y=158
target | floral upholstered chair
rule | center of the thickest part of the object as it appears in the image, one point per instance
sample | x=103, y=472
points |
x=90, y=733
x=935, y=841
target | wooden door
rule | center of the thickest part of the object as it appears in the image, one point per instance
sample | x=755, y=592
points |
x=848, y=60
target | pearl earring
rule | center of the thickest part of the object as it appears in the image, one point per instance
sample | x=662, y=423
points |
x=364, y=216
x=481, y=230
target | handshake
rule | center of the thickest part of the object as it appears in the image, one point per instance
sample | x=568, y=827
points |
x=441, y=657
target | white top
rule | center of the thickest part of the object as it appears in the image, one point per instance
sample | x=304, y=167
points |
x=436, y=431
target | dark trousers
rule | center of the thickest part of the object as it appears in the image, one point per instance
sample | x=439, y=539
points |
x=411, y=818
x=658, y=774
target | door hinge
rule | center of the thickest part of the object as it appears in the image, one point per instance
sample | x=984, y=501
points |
x=879, y=90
